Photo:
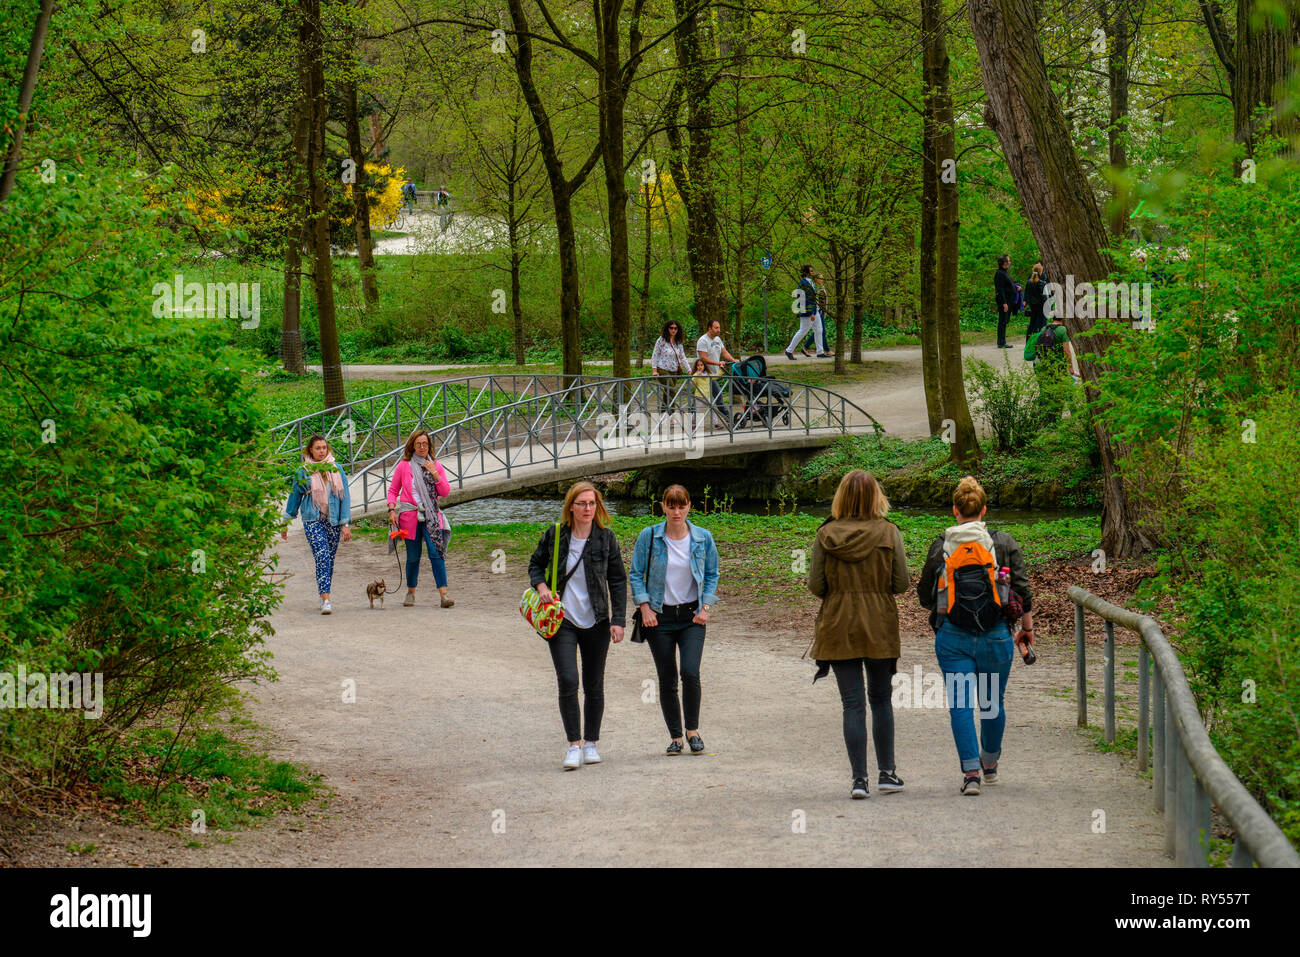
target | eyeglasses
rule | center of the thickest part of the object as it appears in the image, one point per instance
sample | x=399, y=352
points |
x=584, y=504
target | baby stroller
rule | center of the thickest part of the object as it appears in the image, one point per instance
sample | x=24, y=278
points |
x=764, y=399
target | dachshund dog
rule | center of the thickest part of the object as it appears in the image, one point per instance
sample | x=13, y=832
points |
x=376, y=589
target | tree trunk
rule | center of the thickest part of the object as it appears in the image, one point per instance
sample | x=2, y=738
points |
x=1117, y=26
x=611, y=99
x=930, y=374
x=562, y=190
x=693, y=175
x=643, y=339
x=512, y=237
x=322, y=266
x=858, y=294
x=964, y=448
x=296, y=233
x=1062, y=212
x=27, y=89
x=360, y=203
x=840, y=279
x=1263, y=62
x=516, y=306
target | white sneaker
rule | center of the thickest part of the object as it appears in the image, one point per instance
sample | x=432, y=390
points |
x=589, y=753
x=573, y=758
x=325, y=607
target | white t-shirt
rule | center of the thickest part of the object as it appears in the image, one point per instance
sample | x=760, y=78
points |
x=679, y=583
x=713, y=349
x=577, y=603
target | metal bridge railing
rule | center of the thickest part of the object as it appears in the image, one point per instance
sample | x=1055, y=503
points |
x=370, y=428
x=1188, y=773
x=595, y=416
x=478, y=415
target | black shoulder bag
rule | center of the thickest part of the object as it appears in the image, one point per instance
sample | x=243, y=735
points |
x=639, y=630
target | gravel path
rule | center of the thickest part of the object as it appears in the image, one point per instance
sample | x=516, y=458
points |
x=455, y=728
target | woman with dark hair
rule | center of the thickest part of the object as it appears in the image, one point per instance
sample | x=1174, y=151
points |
x=675, y=581
x=320, y=489
x=418, y=481
x=592, y=583
x=858, y=566
x=668, y=361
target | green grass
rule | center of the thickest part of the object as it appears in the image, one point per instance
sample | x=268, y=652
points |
x=1069, y=467
x=214, y=772
x=285, y=397
x=877, y=456
x=759, y=553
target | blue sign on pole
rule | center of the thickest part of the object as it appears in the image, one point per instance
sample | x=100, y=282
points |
x=767, y=262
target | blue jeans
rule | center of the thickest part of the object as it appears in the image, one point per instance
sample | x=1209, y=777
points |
x=975, y=668
x=413, y=558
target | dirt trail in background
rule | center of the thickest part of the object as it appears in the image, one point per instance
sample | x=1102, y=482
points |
x=456, y=727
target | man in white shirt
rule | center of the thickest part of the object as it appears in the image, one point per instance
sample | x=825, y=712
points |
x=711, y=350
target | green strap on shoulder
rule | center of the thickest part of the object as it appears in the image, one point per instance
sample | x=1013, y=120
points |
x=555, y=560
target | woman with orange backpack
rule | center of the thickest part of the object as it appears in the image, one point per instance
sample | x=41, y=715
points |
x=974, y=584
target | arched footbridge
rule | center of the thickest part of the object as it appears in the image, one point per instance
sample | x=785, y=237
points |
x=497, y=433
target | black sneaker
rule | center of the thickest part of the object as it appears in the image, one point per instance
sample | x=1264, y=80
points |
x=859, y=789
x=790, y=356
x=889, y=782
x=674, y=747
x=971, y=785
x=991, y=774
x=696, y=743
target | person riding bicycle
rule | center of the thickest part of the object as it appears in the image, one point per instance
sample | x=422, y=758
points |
x=409, y=195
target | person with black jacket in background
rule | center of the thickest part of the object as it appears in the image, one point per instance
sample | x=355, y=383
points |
x=1035, y=299
x=592, y=583
x=1005, y=290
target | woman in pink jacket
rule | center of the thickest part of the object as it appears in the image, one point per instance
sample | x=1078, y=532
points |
x=418, y=481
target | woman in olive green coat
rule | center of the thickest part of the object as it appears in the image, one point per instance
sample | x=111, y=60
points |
x=858, y=565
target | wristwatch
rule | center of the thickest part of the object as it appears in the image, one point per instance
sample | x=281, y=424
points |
x=705, y=607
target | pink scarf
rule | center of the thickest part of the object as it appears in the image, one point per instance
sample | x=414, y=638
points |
x=319, y=495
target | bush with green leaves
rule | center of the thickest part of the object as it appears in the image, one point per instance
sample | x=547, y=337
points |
x=1207, y=399
x=1226, y=319
x=136, y=515
x=1234, y=570
x=1006, y=400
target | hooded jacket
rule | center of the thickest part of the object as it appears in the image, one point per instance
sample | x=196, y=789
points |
x=858, y=565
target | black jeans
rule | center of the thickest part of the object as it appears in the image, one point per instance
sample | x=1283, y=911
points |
x=1003, y=318
x=1037, y=320
x=848, y=675
x=594, y=642
x=677, y=630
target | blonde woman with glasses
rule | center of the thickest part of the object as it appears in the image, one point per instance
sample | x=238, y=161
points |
x=592, y=584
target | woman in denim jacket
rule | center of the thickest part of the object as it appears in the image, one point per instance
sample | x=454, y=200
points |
x=675, y=598
x=320, y=489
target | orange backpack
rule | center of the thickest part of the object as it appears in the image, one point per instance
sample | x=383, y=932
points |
x=967, y=591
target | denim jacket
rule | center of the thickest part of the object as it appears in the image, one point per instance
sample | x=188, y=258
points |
x=300, y=495
x=704, y=565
